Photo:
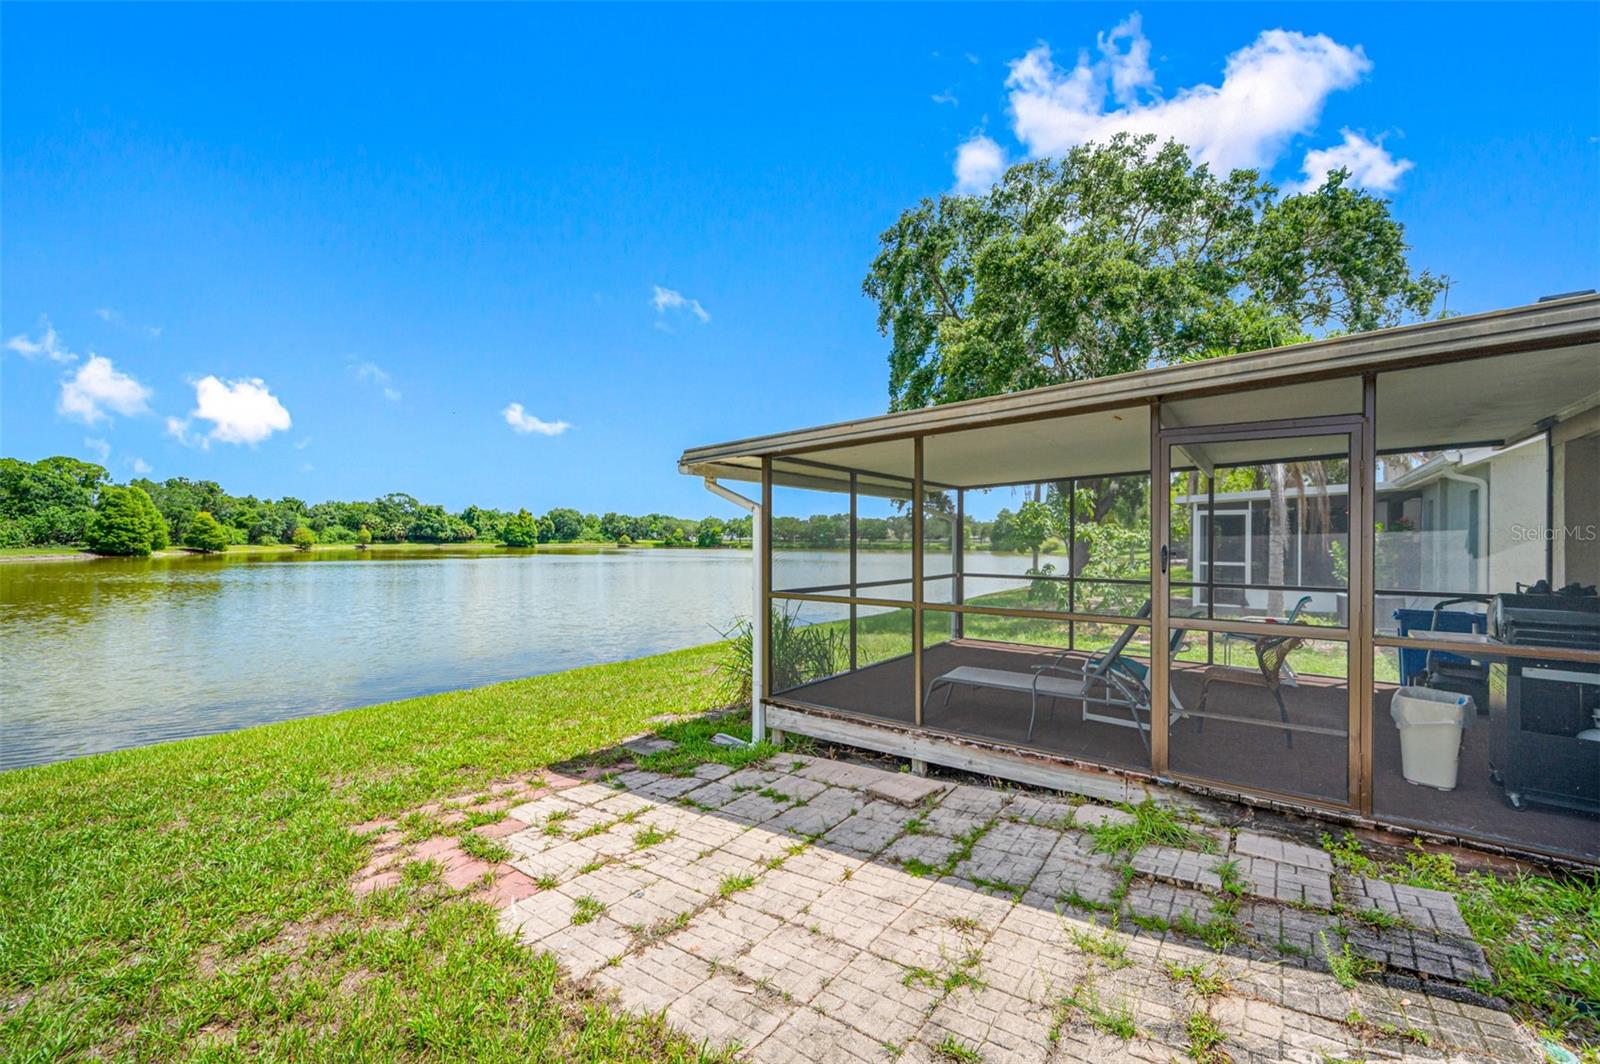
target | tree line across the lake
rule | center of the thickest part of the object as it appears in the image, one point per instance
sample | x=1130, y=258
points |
x=69, y=502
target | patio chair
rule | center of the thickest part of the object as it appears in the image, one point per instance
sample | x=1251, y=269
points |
x=1106, y=679
x=1231, y=638
x=1272, y=656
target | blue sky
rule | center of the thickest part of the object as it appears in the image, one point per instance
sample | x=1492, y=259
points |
x=322, y=251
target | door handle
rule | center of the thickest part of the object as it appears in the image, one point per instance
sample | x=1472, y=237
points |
x=1163, y=558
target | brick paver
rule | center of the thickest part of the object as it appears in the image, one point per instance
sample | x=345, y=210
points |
x=776, y=907
x=1417, y=907
x=1286, y=883
x=905, y=788
x=1184, y=867
x=1254, y=844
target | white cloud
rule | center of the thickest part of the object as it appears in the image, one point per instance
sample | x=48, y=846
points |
x=946, y=97
x=979, y=164
x=670, y=303
x=112, y=316
x=1130, y=70
x=372, y=373
x=1272, y=89
x=1369, y=162
x=48, y=345
x=97, y=387
x=522, y=422
x=99, y=448
x=140, y=467
x=241, y=411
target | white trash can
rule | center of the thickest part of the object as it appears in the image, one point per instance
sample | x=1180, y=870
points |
x=1430, y=724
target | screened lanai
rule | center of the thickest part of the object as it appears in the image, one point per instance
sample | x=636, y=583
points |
x=1218, y=574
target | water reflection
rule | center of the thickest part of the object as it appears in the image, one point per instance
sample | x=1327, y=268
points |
x=121, y=652
x=113, y=653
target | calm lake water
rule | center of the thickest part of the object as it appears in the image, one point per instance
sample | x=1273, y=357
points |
x=113, y=653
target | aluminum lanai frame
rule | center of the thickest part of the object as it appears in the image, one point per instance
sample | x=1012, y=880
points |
x=1562, y=326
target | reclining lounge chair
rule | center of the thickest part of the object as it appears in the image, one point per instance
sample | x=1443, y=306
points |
x=1107, y=679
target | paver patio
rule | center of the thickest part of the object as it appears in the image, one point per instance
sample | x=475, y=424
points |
x=807, y=909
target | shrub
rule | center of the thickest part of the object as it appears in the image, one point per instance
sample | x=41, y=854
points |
x=800, y=653
x=303, y=538
x=206, y=534
x=364, y=537
x=125, y=523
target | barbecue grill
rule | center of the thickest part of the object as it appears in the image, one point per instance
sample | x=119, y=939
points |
x=1538, y=751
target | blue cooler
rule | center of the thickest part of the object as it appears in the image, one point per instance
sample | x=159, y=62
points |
x=1419, y=622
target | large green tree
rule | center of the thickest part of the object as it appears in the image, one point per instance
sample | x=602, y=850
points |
x=1123, y=256
x=521, y=530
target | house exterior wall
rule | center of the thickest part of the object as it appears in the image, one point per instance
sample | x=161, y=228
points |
x=1516, y=513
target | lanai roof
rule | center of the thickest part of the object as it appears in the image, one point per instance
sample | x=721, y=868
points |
x=1425, y=399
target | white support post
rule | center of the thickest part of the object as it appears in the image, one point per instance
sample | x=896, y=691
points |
x=758, y=613
x=758, y=620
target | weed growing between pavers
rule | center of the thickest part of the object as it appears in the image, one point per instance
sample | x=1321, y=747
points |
x=1344, y=964
x=1377, y=918
x=1205, y=1039
x=1207, y=984
x=953, y=973
x=606, y=825
x=952, y=1048
x=733, y=884
x=695, y=747
x=650, y=835
x=1074, y=900
x=1152, y=824
x=586, y=910
x=484, y=849
x=1105, y=945
x=964, y=844
x=1149, y=922
x=420, y=873
x=1084, y=1002
x=999, y=886
x=1368, y=1031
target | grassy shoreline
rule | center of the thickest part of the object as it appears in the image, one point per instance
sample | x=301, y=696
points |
x=192, y=899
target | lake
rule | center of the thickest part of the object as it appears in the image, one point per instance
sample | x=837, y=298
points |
x=112, y=653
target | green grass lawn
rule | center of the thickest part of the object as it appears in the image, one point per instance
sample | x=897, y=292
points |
x=885, y=635
x=191, y=900
x=38, y=552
